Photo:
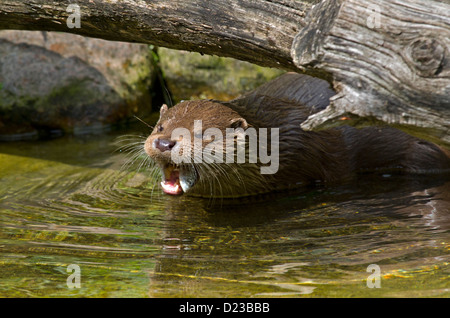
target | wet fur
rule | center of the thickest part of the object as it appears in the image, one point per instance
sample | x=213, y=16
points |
x=327, y=156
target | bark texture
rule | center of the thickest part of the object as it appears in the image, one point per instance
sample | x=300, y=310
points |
x=390, y=60
x=257, y=31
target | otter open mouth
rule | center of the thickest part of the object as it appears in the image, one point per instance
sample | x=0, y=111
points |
x=176, y=179
x=171, y=180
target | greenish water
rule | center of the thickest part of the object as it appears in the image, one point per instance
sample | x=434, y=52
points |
x=70, y=201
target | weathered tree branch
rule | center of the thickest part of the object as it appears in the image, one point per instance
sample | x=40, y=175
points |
x=258, y=31
x=388, y=59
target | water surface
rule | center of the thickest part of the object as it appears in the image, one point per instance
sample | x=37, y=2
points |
x=71, y=201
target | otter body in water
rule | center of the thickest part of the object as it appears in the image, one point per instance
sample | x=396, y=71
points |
x=304, y=157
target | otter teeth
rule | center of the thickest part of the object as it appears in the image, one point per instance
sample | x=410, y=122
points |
x=171, y=182
x=171, y=188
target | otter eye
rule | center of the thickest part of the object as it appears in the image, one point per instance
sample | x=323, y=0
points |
x=159, y=128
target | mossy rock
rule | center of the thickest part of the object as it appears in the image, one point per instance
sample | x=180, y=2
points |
x=53, y=81
x=190, y=75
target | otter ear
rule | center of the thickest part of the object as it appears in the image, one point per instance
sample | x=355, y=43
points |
x=163, y=109
x=239, y=123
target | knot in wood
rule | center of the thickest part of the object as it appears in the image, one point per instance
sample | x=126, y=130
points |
x=426, y=55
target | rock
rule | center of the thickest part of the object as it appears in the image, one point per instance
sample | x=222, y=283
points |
x=190, y=75
x=65, y=83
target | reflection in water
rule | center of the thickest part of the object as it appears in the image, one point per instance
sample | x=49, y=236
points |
x=318, y=243
x=68, y=201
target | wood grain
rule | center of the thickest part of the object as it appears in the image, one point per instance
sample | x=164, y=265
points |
x=396, y=70
x=257, y=31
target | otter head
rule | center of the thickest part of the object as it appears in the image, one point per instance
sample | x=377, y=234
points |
x=181, y=145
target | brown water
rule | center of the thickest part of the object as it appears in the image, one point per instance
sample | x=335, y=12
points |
x=69, y=201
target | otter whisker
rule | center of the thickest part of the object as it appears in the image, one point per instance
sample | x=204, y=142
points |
x=132, y=158
x=133, y=148
x=155, y=174
x=143, y=122
x=205, y=176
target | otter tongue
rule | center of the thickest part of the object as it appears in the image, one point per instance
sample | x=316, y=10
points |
x=171, y=185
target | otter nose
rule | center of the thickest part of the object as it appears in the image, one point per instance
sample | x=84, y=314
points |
x=163, y=144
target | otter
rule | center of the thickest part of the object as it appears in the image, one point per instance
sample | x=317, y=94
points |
x=305, y=157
